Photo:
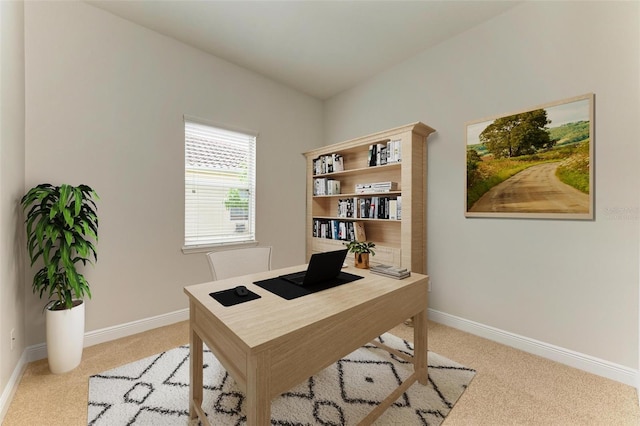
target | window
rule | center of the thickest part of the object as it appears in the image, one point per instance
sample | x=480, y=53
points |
x=219, y=177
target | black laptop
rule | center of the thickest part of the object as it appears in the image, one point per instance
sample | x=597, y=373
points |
x=322, y=267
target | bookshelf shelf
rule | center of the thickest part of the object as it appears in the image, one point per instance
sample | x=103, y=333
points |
x=358, y=219
x=361, y=170
x=353, y=194
x=399, y=242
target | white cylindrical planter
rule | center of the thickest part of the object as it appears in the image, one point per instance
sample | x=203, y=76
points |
x=65, y=338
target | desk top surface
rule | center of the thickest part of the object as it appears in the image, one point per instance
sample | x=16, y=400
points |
x=271, y=317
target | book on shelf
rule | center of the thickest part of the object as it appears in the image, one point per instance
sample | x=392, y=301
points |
x=393, y=209
x=375, y=187
x=338, y=163
x=383, y=152
x=377, y=152
x=320, y=186
x=348, y=207
x=394, y=151
x=374, y=207
x=318, y=166
x=378, y=208
x=333, y=187
x=390, y=271
x=363, y=209
x=324, y=186
x=399, y=207
x=329, y=163
x=382, y=155
x=372, y=155
x=334, y=229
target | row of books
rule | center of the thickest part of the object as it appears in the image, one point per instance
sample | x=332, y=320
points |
x=324, y=186
x=379, y=154
x=370, y=207
x=390, y=271
x=384, y=153
x=334, y=229
x=328, y=164
x=376, y=187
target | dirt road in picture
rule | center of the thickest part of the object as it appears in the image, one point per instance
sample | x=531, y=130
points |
x=533, y=190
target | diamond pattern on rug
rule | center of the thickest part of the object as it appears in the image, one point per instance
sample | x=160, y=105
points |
x=155, y=391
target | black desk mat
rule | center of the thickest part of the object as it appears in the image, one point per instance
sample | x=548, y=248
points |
x=288, y=290
x=230, y=298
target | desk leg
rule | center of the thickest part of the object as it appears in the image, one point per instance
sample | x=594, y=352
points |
x=258, y=403
x=420, y=346
x=195, y=368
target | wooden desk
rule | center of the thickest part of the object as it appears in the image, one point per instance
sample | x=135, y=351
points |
x=270, y=345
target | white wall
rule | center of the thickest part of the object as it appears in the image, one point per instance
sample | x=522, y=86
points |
x=573, y=284
x=12, y=184
x=105, y=100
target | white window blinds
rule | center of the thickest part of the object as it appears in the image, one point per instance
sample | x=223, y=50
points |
x=219, y=196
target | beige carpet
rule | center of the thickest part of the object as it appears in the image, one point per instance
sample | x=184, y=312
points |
x=510, y=387
x=155, y=391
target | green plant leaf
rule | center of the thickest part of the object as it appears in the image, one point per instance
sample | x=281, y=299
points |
x=62, y=226
x=361, y=247
x=77, y=196
x=68, y=236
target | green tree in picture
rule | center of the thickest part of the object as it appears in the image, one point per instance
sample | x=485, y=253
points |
x=518, y=134
x=473, y=159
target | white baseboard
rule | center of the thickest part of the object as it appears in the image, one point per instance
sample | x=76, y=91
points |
x=39, y=351
x=12, y=385
x=568, y=357
x=108, y=334
x=123, y=330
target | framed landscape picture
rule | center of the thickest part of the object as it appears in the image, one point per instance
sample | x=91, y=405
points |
x=536, y=163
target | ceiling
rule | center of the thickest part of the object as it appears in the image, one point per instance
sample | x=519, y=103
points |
x=318, y=47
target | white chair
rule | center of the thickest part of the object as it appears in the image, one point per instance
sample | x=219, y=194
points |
x=233, y=263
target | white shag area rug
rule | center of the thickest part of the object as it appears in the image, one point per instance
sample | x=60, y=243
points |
x=155, y=391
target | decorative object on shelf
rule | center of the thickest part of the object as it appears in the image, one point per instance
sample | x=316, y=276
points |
x=546, y=150
x=360, y=233
x=376, y=187
x=390, y=271
x=62, y=227
x=362, y=251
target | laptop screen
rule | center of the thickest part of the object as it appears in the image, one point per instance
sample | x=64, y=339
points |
x=322, y=267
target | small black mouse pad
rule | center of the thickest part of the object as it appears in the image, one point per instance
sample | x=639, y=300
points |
x=230, y=298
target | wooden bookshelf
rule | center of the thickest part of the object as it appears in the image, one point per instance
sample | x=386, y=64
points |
x=400, y=242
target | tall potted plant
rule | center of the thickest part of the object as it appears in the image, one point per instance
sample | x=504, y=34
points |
x=62, y=227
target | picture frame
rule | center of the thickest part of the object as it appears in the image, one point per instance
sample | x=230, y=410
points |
x=536, y=163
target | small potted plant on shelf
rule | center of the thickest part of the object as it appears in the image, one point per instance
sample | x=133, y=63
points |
x=62, y=227
x=361, y=250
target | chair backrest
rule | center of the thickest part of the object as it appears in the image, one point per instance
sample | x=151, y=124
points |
x=233, y=263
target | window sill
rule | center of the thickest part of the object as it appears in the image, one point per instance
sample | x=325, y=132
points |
x=206, y=248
